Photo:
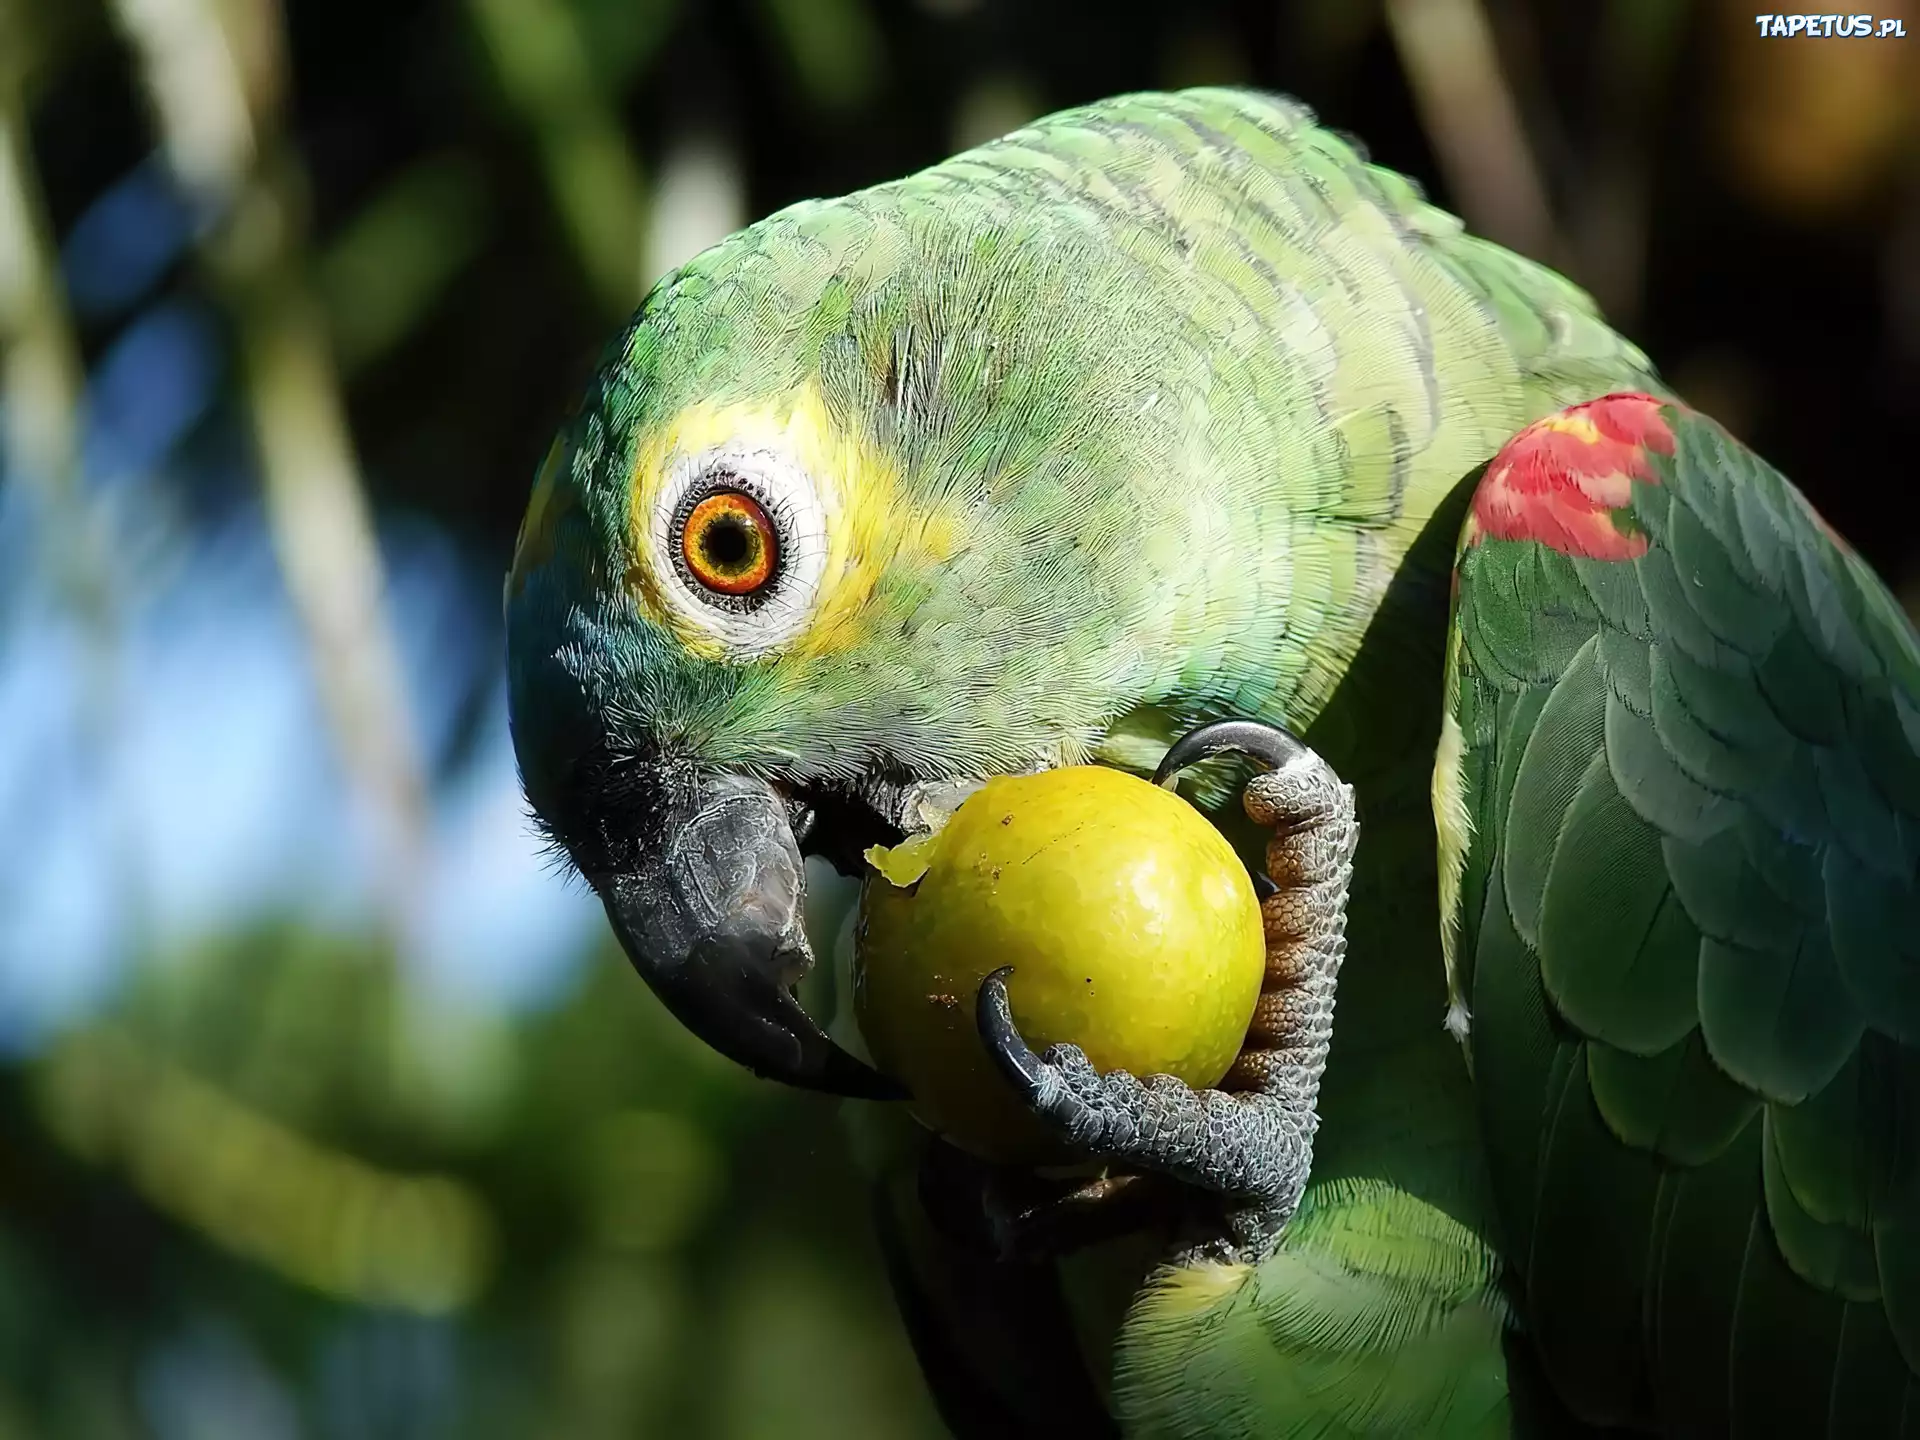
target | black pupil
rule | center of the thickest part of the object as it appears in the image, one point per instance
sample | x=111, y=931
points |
x=726, y=544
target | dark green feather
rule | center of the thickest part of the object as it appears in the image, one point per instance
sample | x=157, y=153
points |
x=1696, y=961
x=1869, y=1377
x=1786, y=1342
x=1559, y=754
x=1514, y=1060
x=1697, y=1259
x=1587, y=1265
x=1777, y=1019
x=1677, y=1104
x=1832, y=1257
x=1618, y=952
x=1658, y=791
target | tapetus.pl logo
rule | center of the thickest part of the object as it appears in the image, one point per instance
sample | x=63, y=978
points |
x=1830, y=27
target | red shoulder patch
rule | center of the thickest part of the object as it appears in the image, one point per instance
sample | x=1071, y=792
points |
x=1563, y=479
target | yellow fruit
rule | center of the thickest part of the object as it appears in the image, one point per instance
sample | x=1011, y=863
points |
x=1130, y=923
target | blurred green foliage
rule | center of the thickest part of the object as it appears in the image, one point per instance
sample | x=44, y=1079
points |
x=605, y=1231
x=274, y=1185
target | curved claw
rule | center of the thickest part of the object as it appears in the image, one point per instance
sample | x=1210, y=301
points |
x=993, y=1013
x=1270, y=745
x=1250, y=1145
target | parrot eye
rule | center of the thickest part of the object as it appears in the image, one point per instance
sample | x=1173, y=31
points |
x=737, y=541
x=727, y=543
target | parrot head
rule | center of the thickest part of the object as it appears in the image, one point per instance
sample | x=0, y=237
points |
x=837, y=528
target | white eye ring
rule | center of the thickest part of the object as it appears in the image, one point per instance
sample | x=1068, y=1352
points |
x=748, y=626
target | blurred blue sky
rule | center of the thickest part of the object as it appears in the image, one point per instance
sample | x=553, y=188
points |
x=179, y=754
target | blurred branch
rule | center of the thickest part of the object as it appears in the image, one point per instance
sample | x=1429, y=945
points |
x=383, y=274
x=1447, y=49
x=699, y=199
x=833, y=47
x=42, y=361
x=42, y=383
x=991, y=107
x=313, y=1214
x=1639, y=43
x=213, y=71
x=541, y=60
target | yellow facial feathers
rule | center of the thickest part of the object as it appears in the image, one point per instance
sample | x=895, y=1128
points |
x=869, y=520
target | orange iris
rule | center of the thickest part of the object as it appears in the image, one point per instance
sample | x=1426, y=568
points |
x=728, y=543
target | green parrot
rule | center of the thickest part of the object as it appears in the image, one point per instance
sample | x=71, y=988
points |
x=1579, y=763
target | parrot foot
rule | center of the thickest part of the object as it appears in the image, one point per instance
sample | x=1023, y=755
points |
x=1249, y=1142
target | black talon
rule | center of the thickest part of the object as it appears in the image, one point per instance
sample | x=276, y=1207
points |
x=1271, y=745
x=1250, y=1151
x=993, y=1013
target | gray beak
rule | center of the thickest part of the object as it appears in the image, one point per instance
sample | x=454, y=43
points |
x=709, y=912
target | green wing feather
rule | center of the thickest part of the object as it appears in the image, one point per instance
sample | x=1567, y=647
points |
x=1689, y=929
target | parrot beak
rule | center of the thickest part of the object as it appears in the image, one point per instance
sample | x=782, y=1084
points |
x=708, y=909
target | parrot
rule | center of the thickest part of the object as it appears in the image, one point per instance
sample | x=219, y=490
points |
x=1577, y=760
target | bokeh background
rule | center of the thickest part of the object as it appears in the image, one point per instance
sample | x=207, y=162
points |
x=326, y=1107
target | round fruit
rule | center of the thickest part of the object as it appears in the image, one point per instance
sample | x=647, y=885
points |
x=1130, y=923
